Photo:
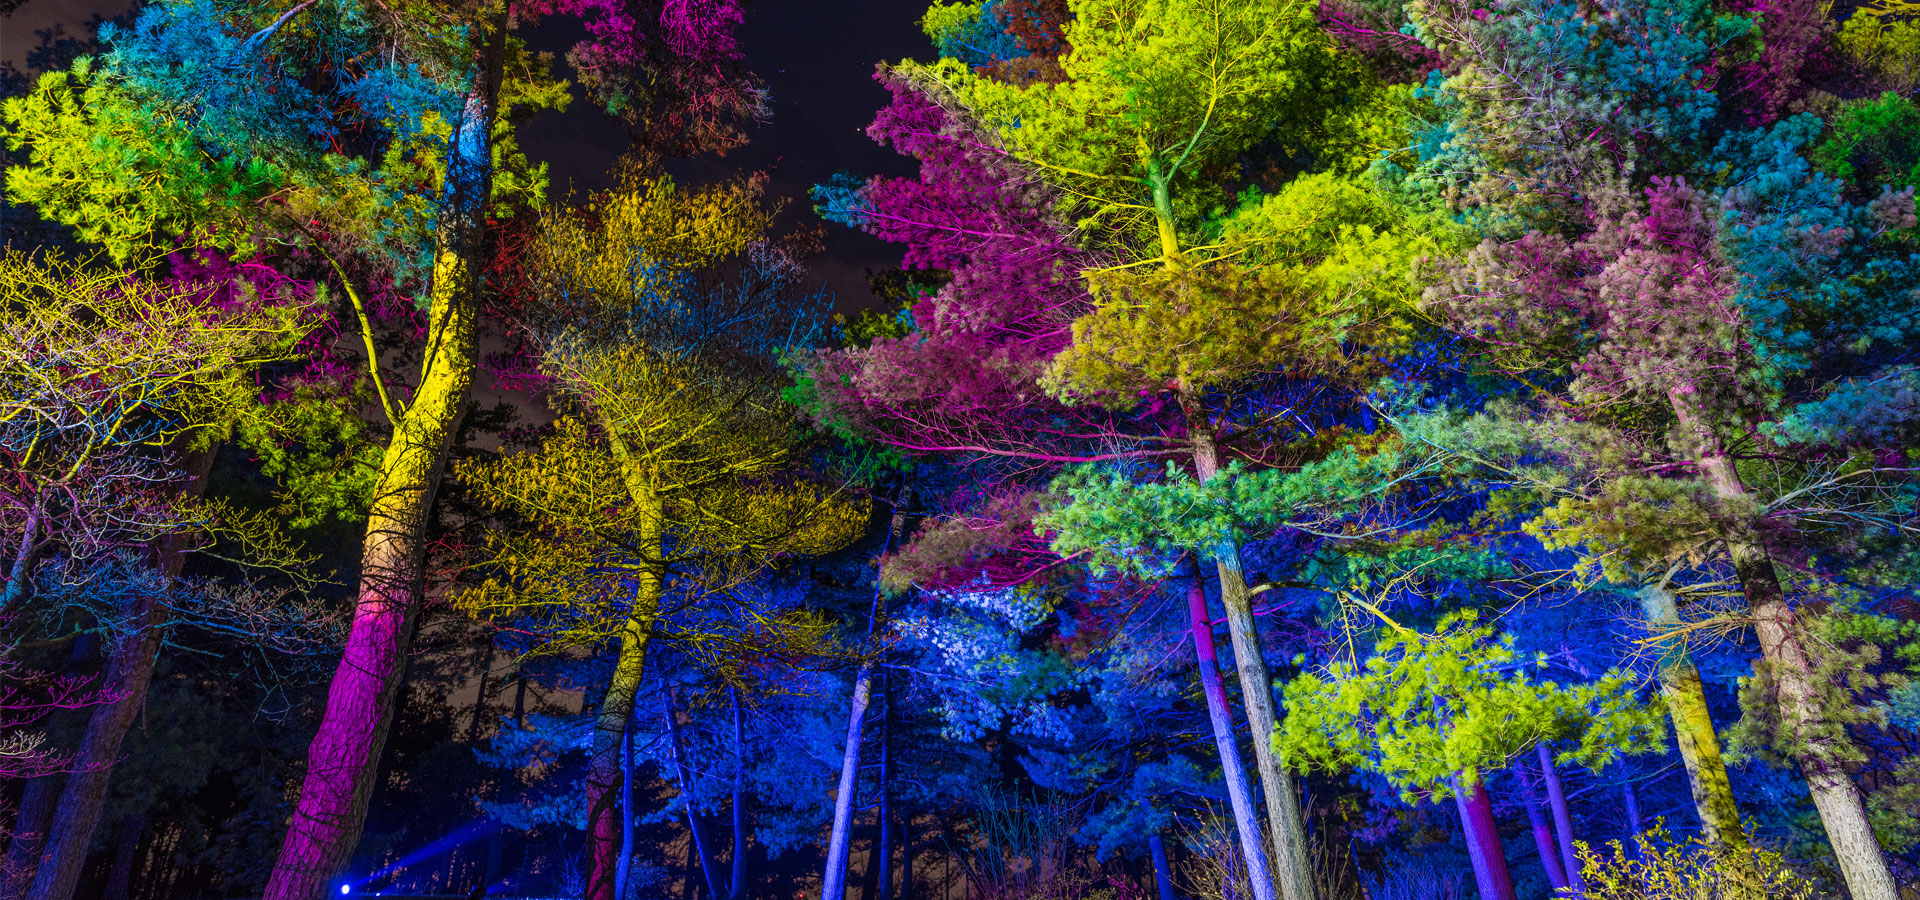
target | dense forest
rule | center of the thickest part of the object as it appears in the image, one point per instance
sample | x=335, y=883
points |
x=1333, y=450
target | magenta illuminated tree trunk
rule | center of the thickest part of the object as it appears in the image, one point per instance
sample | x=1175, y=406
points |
x=1484, y=848
x=129, y=672
x=1562, y=820
x=1543, y=841
x=1246, y=819
x=345, y=754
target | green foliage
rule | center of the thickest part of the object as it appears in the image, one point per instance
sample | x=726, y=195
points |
x=128, y=175
x=1114, y=521
x=1874, y=142
x=1424, y=708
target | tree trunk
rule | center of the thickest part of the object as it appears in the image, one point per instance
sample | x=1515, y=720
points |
x=833, y=883
x=1162, y=873
x=737, y=882
x=1632, y=801
x=37, y=804
x=1292, y=861
x=623, y=868
x=345, y=754
x=1842, y=808
x=882, y=861
x=1484, y=848
x=701, y=849
x=1693, y=725
x=126, y=850
x=1246, y=819
x=129, y=672
x=1562, y=820
x=604, y=781
x=1542, y=832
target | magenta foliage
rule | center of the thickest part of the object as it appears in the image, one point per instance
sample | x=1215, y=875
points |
x=966, y=380
x=1374, y=33
x=1794, y=55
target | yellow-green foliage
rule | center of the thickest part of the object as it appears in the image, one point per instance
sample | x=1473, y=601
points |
x=1884, y=38
x=1665, y=869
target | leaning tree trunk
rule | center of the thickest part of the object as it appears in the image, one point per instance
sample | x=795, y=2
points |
x=1562, y=820
x=881, y=862
x=129, y=672
x=345, y=755
x=1693, y=725
x=1842, y=807
x=1542, y=832
x=833, y=883
x=1162, y=873
x=1292, y=862
x=38, y=801
x=604, y=781
x=701, y=848
x=1246, y=819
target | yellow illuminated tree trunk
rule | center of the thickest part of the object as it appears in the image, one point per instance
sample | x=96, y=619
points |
x=1692, y=725
x=345, y=753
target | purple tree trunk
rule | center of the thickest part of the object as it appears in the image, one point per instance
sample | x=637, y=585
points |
x=345, y=754
x=1246, y=819
x=1562, y=821
x=1484, y=848
x=1542, y=832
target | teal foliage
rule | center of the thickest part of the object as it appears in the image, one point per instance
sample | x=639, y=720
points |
x=1880, y=410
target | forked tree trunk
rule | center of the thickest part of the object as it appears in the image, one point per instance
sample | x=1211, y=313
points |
x=1292, y=862
x=1842, y=807
x=1246, y=819
x=702, y=850
x=345, y=754
x=129, y=672
x=605, y=836
x=1693, y=725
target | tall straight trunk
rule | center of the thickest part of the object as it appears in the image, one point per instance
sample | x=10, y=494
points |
x=1484, y=847
x=126, y=850
x=345, y=754
x=1842, y=807
x=129, y=672
x=1162, y=873
x=701, y=849
x=882, y=861
x=623, y=868
x=480, y=700
x=605, y=837
x=1562, y=820
x=1292, y=862
x=1246, y=819
x=833, y=883
x=1542, y=832
x=38, y=801
x=737, y=881
x=1693, y=729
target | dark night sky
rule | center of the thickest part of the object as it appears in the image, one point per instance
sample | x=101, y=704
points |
x=817, y=58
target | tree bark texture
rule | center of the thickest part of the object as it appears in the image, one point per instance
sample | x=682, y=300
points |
x=129, y=673
x=1842, y=807
x=1693, y=730
x=1292, y=860
x=1246, y=819
x=344, y=758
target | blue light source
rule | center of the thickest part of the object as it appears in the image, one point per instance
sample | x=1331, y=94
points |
x=346, y=889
